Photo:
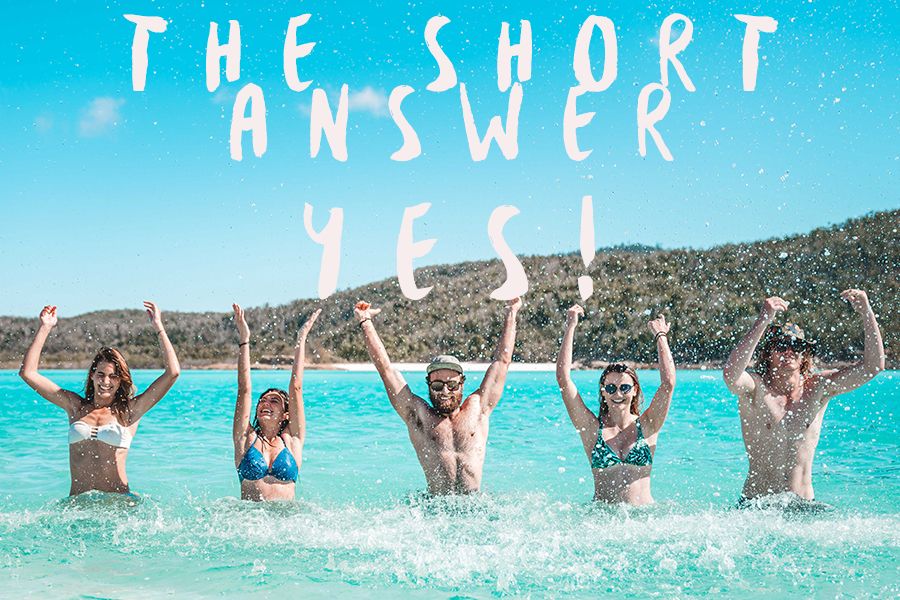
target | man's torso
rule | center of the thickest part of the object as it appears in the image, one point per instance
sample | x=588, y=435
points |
x=451, y=450
x=780, y=437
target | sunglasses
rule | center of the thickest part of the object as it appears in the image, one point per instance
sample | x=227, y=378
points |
x=438, y=385
x=610, y=388
x=797, y=345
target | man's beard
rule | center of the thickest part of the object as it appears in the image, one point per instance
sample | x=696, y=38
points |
x=446, y=407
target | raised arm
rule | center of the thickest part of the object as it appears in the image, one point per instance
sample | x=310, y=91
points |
x=583, y=419
x=29, y=370
x=162, y=384
x=495, y=378
x=735, y=373
x=296, y=412
x=241, y=423
x=653, y=418
x=401, y=397
x=851, y=377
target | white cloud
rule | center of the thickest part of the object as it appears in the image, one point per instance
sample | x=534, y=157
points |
x=369, y=100
x=101, y=115
x=224, y=95
x=43, y=123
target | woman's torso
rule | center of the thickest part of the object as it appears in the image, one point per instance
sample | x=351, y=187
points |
x=621, y=461
x=267, y=471
x=99, y=440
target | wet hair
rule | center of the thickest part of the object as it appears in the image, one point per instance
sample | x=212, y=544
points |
x=775, y=344
x=284, y=400
x=638, y=395
x=126, y=386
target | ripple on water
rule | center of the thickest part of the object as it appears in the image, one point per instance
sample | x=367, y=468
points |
x=520, y=543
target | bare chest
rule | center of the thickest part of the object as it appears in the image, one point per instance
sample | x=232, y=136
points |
x=780, y=421
x=459, y=436
x=98, y=417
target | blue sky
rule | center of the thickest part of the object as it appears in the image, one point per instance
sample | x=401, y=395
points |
x=111, y=196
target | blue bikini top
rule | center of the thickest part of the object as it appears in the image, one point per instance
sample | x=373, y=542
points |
x=254, y=467
x=603, y=456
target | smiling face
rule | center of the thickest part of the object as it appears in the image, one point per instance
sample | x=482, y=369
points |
x=109, y=381
x=106, y=381
x=272, y=409
x=444, y=399
x=618, y=381
x=629, y=399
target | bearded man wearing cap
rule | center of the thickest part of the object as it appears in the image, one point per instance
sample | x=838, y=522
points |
x=448, y=435
x=783, y=402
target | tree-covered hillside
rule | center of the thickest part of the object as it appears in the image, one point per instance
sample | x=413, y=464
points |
x=710, y=296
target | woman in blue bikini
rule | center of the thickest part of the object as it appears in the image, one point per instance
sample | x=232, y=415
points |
x=104, y=421
x=620, y=440
x=269, y=450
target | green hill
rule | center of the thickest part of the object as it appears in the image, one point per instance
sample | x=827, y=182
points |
x=710, y=296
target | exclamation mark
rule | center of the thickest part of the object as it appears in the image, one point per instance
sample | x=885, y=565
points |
x=585, y=283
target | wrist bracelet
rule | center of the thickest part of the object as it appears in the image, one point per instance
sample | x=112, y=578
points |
x=363, y=321
x=659, y=335
x=243, y=344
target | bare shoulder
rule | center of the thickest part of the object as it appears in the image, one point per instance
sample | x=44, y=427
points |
x=473, y=399
x=475, y=403
x=815, y=387
x=242, y=439
x=291, y=443
x=419, y=413
x=78, y=408
x=75, y=404
x=747, y=400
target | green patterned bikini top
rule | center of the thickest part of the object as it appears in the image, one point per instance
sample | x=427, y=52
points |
x=603, y=456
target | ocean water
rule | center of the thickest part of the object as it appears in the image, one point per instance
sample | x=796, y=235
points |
x=362, y=528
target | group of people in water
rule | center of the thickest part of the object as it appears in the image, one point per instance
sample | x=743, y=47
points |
x=781, y=402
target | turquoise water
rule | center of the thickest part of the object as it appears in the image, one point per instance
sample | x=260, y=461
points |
x=361, y=528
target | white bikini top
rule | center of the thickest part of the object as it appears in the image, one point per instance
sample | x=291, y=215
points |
x=112, y=433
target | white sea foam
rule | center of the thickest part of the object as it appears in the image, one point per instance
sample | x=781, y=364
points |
x=520, y=544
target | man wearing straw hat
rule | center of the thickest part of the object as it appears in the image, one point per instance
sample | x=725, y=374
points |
x=449, y=435
x=782, y=404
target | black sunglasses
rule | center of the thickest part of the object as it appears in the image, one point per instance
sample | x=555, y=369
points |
x=795, y=344
x=610, y=388
x=438, y=386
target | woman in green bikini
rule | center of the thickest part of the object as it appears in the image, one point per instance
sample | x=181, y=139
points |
x=620, y=440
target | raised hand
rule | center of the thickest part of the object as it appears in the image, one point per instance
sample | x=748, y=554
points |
x=241, y=322
x=304, y=330
x=155, y=315
x=363, y=310
x=659, y=325
x=573, y=314
x=771, y=307
x=513, y=306
x=857, y=299
x=48, y=317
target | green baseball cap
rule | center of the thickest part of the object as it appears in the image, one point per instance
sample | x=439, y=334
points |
x=444, y=361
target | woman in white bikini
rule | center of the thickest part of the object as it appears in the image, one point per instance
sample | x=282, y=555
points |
x=104, y=421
